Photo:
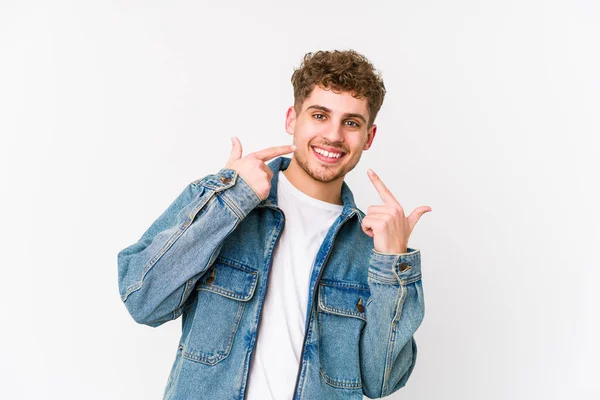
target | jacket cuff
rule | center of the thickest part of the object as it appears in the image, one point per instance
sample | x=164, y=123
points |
x=234, y=191
x=402, y=268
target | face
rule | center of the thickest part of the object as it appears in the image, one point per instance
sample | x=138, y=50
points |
x=331, y=122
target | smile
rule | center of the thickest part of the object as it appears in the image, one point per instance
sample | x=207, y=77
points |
x=327, y=156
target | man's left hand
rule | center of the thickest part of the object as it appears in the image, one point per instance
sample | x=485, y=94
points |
x=386, y=223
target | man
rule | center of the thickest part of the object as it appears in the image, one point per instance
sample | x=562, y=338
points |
x=282, y=249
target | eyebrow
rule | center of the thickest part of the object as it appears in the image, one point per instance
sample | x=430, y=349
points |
x=347, y=115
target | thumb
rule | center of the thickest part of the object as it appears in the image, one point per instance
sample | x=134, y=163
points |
x=414, y=217
x=236, y=150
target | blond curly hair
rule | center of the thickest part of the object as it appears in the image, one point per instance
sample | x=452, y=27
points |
x=339, y=70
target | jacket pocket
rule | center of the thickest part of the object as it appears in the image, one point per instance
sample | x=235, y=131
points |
x=342, y=318
x=221, y=297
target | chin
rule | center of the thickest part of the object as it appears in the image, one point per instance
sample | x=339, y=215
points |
x=321, y=172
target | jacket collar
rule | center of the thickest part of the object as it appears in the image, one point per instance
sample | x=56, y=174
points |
x=280, y=164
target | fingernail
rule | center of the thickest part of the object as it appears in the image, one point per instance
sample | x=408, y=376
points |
x=293, y=147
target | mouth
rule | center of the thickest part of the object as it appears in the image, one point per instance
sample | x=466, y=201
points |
x=327, y=156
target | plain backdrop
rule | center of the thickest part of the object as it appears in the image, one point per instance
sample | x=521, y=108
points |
x=109, y=108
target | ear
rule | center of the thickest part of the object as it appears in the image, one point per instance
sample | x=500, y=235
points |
x=290, y=120
x=370, y=136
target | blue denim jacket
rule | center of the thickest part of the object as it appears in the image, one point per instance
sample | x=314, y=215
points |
x=207, y=259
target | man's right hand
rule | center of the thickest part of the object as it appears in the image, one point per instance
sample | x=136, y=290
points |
x=252, y=167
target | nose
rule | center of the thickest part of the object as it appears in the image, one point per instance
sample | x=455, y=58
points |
x=334, y=133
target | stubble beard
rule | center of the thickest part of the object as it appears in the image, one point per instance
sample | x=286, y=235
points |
x=324, y=175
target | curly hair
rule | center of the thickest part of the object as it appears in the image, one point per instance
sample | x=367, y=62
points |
x=339, y=71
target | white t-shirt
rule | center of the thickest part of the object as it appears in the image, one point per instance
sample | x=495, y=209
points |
x=277, y=355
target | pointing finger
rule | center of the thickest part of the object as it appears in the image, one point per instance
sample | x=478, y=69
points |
x=384, y=192
x=273, y=152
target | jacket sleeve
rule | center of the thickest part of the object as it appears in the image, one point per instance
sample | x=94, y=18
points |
x=395, y=309
x=159, y=271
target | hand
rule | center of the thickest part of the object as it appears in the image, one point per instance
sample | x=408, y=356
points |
x=252, y=167
x=386, y=223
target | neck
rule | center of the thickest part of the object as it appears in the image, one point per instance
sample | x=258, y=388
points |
x=330, y=192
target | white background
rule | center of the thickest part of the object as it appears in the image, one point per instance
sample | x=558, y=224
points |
x=108, y=109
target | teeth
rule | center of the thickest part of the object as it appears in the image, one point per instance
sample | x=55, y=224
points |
x=327, y=154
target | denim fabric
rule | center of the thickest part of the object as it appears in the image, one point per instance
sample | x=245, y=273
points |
x=207, y=259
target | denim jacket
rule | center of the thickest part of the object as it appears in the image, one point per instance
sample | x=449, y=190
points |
x=207, y=259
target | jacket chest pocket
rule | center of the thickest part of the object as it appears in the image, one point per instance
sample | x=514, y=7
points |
x=342, y=318
x=222, y=294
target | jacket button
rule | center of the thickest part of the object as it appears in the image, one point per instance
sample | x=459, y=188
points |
x=404, y=267
x=225, y=179
x=359, y=306
x=210, y=280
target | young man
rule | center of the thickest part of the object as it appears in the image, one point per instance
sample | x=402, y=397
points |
x=287, y=290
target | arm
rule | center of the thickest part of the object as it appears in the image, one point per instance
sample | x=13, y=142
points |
x=394, y=312
x=159, y=271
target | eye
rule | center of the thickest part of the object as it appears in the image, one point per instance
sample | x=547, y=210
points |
x=319, y=115
x=355, y=124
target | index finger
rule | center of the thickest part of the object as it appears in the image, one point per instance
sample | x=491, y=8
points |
x=272, y=152
x=384, y=192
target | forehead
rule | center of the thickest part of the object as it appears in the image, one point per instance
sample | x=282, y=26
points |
x=342, y=102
